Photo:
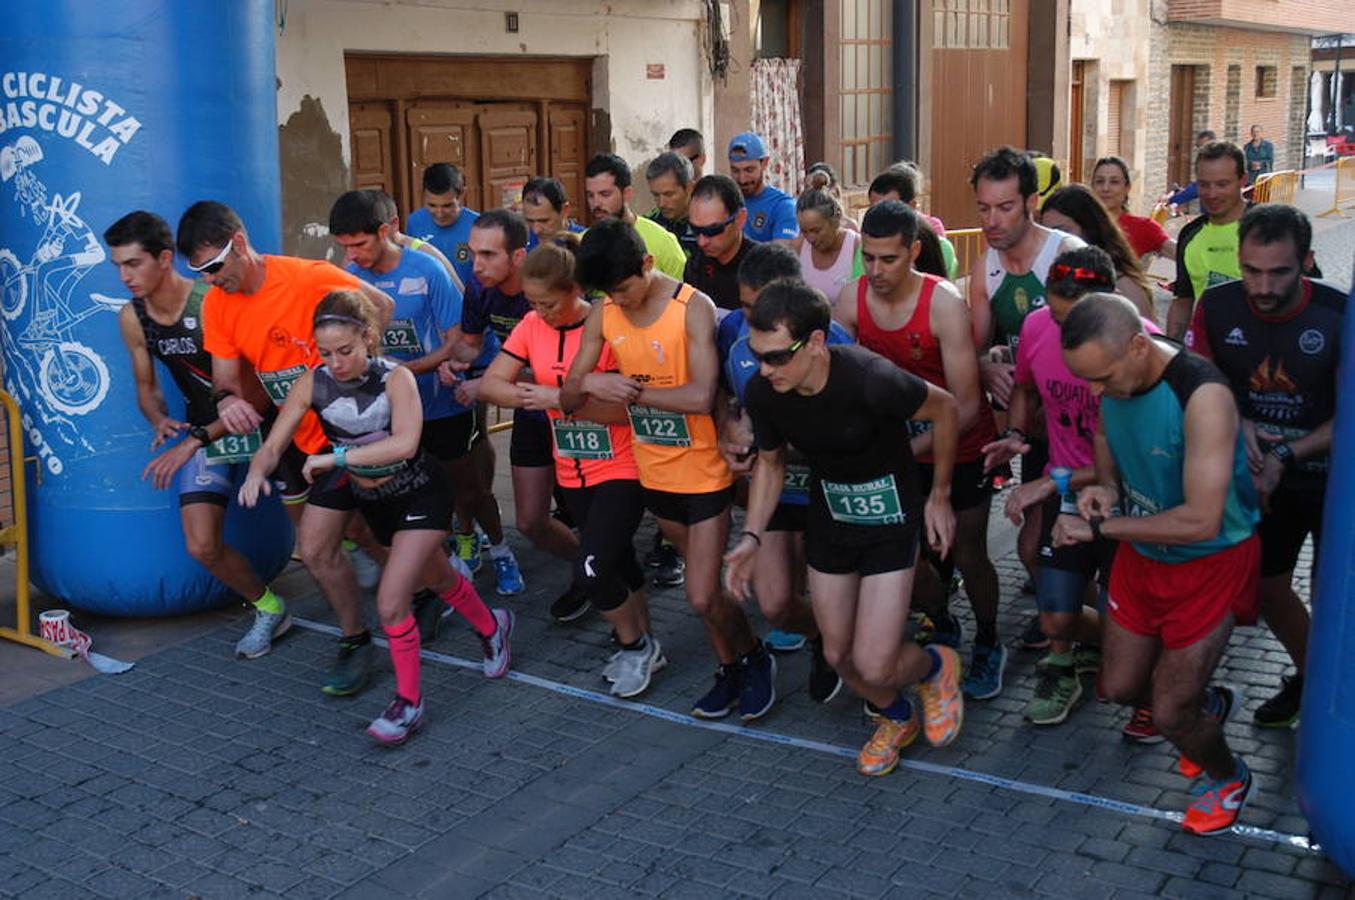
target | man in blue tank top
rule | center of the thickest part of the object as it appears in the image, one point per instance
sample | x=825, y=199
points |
x=1170, y=454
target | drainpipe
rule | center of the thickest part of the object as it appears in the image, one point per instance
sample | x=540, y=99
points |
x=905, y=79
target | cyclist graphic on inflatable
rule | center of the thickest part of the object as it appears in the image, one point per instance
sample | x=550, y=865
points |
x=71, y=378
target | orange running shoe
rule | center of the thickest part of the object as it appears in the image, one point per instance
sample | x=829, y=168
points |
x=1188, y=767
x=1218, y=803
x=880, y=755
x=942, y=700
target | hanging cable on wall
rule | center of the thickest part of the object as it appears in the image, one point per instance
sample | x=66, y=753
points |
x=714, y=44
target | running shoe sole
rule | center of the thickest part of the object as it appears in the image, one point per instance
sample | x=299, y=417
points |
x=395, y=742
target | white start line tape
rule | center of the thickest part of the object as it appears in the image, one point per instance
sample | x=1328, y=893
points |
x=1249, y=832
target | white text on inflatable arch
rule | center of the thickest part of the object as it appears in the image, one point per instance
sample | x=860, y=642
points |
x=36, y=100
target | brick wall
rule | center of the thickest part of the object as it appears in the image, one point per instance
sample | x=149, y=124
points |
x=1212, y=50
x=1313, y=16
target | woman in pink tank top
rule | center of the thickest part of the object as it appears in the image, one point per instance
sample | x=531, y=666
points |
x=826, y=249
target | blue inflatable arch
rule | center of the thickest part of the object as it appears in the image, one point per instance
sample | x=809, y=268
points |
x=106, y=108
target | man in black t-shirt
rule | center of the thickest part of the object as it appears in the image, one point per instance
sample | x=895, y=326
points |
x=164, y=321
x=847, y=410
x=1276, y=336
x=716, y=216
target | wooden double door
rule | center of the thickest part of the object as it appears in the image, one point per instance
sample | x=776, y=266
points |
x=486, y=116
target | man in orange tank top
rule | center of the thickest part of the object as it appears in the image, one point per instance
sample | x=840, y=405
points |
x=662, y=333
x=921, y=324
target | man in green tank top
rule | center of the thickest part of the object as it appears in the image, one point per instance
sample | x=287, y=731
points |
x=204, y=463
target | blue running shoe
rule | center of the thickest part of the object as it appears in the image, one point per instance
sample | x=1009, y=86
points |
x=508, y=577
x=984, y=679
x=779, y=641
x=721, y=698
x=757, y=692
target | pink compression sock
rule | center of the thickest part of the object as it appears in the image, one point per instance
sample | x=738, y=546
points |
x=466, y=601
x=404, y=646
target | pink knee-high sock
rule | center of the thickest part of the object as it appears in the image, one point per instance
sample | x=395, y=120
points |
x=403, y=638
x=466, y=601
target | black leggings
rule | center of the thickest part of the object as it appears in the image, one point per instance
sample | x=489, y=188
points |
x=607, y=515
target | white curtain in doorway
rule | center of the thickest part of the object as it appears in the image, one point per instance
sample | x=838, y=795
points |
x=776, y=116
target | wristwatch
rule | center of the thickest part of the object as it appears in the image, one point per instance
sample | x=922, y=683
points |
x=199, y=434
x=341, y=457
x=1095, y=523
x=1284, y=453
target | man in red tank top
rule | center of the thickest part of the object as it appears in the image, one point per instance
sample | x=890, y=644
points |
x=921, y=324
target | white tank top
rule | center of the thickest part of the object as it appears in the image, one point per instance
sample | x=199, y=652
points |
x=831, y=279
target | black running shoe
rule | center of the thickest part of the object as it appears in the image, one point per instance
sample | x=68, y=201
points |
x=570, y=605
x=428, y=609
x=824, y=681
x=1282, y=710
x=671, y=568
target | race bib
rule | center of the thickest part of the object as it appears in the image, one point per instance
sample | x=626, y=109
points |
x=233, y=448
x=400, y=337
x=659, y=426
x=797, y=481
x=279, y=383
x=578, y=439
x=864, y=503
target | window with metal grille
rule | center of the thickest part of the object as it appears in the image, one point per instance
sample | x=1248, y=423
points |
x=972, y=24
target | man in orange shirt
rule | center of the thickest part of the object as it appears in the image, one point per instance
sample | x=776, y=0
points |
x=259, y=311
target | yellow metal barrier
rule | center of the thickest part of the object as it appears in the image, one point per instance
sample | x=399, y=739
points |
x=968, y=243
x=15, y=534
x=1345, y=187
x=1275, y=187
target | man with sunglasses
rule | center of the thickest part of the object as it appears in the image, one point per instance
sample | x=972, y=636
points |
x=848, y=411
x=771, y=211
x=779, y=577
x=716, y=216
x=690, y=143
x=258, y=314
x=920, y=323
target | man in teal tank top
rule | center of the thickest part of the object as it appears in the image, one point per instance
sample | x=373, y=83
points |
x=1170, y=454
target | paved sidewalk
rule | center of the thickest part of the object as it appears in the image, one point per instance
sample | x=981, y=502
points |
x=197, y=775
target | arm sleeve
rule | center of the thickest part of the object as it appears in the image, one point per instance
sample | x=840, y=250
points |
x=1197, y=334
x=756, y=403
x=1183, y=287
x=891, y=392
x=326, y=277
x=443, y=298
x=216, y=337
x=784, y=223
x=670, y=259
x=519, y=342
x=474, y=315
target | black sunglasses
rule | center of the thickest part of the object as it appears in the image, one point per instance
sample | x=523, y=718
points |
x=713, y=230
x=778, y=358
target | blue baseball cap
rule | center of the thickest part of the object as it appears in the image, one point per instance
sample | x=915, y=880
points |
x=747, y=146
